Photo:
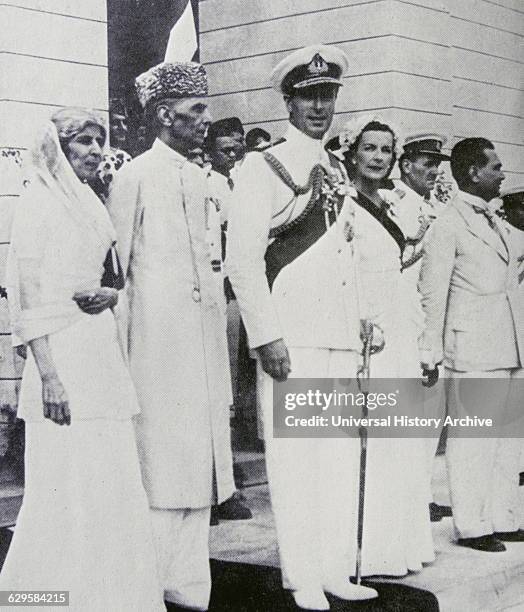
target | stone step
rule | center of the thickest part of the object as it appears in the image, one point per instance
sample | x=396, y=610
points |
x=463, y=580
x=250, y=468
x=466, y=580
x=10, y=501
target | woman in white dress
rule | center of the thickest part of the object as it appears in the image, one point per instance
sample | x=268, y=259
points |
x=397, y=532
x=84, y=522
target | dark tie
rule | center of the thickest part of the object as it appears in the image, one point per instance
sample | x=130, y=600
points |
x=230, y=183
x=489, y=214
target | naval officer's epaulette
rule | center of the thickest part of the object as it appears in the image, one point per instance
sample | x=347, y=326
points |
x=313, y=185
x=267, y=147
x=277, y=142
x=273, y=144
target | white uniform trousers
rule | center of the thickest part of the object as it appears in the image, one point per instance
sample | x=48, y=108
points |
x=483, y=472
x=313, y=484
x=434, y=407
x=182, y=545
x=521, y=469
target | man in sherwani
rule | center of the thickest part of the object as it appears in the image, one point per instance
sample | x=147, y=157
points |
x=290, y=262
x=470, y=295
x=176, y=328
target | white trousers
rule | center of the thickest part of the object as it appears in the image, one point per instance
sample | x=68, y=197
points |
x=483, y=472
x=182, y=543
x=84, y=524
x=434, y=406
x=312, y=484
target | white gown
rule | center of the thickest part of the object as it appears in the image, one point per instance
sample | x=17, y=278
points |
x=397, y=530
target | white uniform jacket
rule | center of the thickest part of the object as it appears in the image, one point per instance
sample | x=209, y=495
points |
x=176, y=335
x=314, y=299
x=412, y=209
x=470, y=296
x=414, y=215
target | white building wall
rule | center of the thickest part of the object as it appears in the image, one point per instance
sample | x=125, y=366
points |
x=450, y=65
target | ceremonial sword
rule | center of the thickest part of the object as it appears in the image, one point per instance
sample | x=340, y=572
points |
x=363, y=385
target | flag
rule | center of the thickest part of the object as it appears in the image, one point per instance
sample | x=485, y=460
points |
x=183, y=42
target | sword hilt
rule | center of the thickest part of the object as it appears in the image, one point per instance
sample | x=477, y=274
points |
x=366, y=335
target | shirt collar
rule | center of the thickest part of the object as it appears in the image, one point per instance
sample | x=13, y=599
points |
x=161, y=148
x=473, y=200
x=217, y=176
x=303, y=142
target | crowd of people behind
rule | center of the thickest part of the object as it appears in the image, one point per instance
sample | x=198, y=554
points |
x=141, y=287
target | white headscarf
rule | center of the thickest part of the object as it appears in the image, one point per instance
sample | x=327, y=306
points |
x=53, y=189
x=51, y=168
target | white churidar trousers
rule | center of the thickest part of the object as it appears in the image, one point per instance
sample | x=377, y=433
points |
x=182, y=543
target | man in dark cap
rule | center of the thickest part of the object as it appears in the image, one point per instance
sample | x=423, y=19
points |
x=236, y=130
x=176, y=328
x=222, y=148
x=118, y=128
x=290, y=261
x=117, y=156
x=258, y=139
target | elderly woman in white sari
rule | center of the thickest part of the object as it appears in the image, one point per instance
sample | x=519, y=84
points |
x=84, y=523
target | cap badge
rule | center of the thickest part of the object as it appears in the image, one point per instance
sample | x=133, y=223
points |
x=317, y=66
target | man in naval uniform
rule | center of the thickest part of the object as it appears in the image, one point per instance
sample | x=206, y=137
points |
x=419, y=168
x=175, y=325
x=290, y=262
x=474, y=325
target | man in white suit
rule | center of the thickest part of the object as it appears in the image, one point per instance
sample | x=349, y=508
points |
x=470, y=296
